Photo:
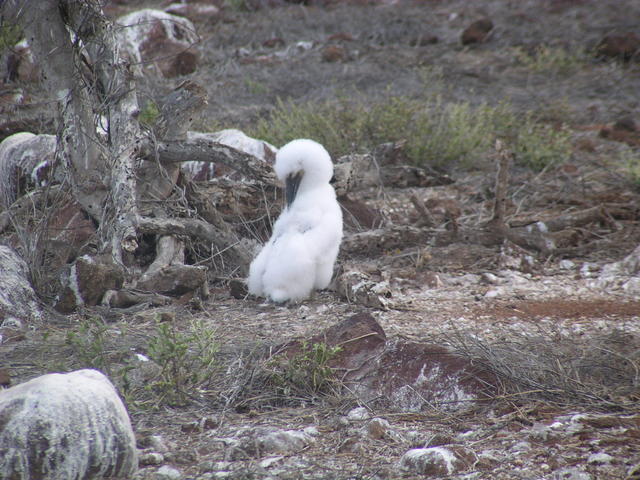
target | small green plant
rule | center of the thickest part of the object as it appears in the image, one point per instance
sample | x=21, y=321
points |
x=149, y=114
x=538, y=145
x=89, y=344
x=306, y=374
x=255, y=88
x=547, y=59
x=630, y=161
x=186, y=359
x=10, y=35
x=236, y=5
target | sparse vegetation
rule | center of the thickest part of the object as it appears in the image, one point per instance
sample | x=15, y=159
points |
x=599, y=371
x=149, y=114
x=630, y=160
x=550, y=59
x=307, y=373
x=89, y=344
x=10, y=35
x=186, y=359
x=436, y=134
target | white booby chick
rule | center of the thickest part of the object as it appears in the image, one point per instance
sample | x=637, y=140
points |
x=303, y=247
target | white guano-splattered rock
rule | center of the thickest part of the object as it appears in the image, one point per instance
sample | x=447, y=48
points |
x=65, y=426
x=435, y=461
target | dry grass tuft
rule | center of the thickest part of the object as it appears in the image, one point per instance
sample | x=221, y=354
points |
x=600, y=372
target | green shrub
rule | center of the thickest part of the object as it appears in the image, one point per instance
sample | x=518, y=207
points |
x=89, y=344
x=10, y=35
x=186, y=359
x=553, y=60
x=435, y=134
x=307, y=374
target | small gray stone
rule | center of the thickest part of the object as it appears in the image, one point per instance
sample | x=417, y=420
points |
x=378, y=428
x=572, y=473
x=151, y=458
x=168, y=473
x=600, y=459
x=359, y=413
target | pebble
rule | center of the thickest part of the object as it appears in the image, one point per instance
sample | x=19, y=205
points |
x=377, y=428
x=359, y=413
x=168, y=473
x=151, y=458
x=600, y=458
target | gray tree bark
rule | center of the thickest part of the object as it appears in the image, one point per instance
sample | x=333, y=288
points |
x=75, y=45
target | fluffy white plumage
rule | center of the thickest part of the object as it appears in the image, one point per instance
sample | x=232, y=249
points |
x=303, y=247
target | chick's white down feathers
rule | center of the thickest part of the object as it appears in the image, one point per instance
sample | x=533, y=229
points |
x=303, y=247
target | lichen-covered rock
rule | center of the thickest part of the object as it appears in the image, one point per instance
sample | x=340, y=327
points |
x=65, y=426
x=257, y=442
x=18, y=301
x=26, y=160
x=435, y=461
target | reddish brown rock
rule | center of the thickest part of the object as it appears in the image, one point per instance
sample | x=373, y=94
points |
x=624, y=130
x=86, y=282
x=68, y=230
x=477, y=32
x=358, y=215
x=21, y=65
x=273, y=42
x=5, y=377
x=334, y=53
x=401, y=375
x=623, y=47
x=340, y=37
x=423, y=39
x=158, y=40
x=414, y=375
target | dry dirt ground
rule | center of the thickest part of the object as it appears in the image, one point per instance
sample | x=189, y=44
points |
x=437, y=292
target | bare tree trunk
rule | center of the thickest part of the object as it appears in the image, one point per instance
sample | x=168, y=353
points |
x=115, y=88
x=78, y=150
x=92, y=86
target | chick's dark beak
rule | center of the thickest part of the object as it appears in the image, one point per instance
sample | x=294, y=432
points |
x=292, y=183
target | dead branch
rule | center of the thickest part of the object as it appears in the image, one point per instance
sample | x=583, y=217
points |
x=426, y=219
x=502, y=184
x=128, y=298
x=179, y=109
x=156, y=179
x=200, y=150
x=190, y=227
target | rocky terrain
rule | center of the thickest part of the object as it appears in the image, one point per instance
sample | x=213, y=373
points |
x=550, y=338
